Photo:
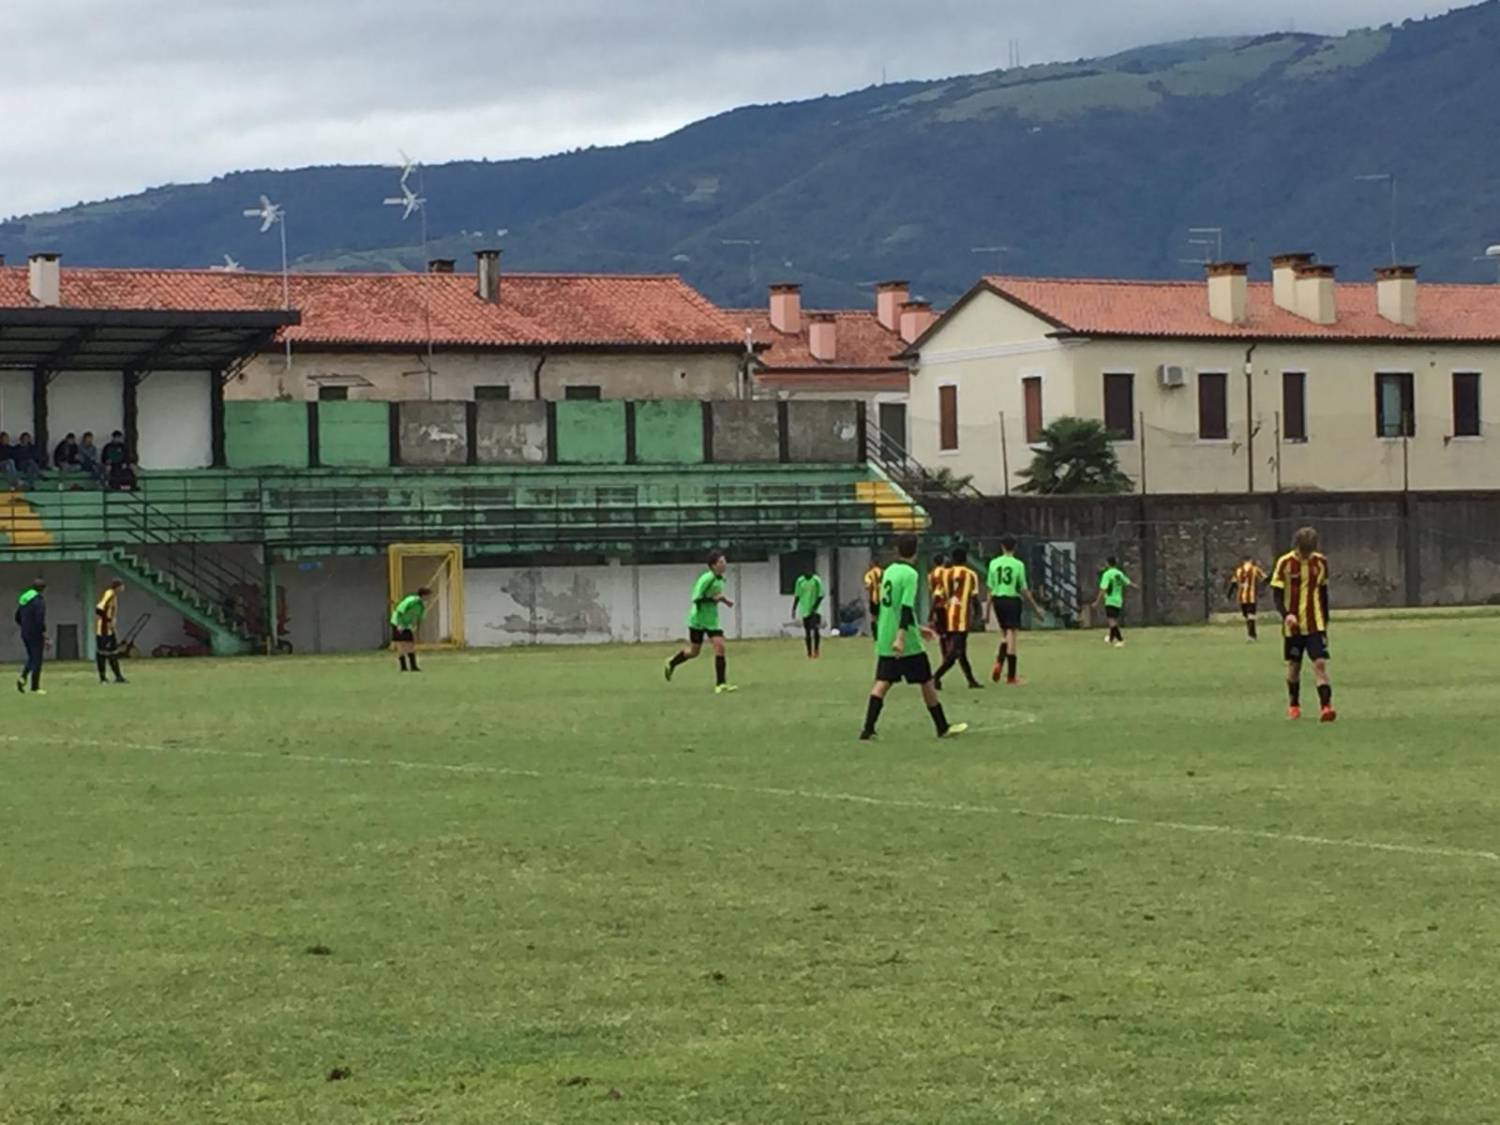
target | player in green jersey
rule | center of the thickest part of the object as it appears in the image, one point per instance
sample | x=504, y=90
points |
x=1112, y=586
x=406, y=619
x=807, y=607
x=898, y=643
x=703, y=622
x=1008, y=587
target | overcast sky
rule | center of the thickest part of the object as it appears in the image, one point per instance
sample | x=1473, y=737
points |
x=106, y=97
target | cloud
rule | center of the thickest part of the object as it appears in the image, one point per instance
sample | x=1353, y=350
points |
x=107, y=98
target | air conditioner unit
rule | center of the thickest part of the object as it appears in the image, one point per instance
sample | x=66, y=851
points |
x=1172, y=375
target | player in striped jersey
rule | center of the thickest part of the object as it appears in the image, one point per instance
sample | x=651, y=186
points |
x=1246, y=583
x=961, y=588
x=872, y=595
x=1299, y=583
x=937, y=599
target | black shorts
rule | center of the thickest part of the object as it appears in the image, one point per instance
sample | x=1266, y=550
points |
x=813, y=621
x=106, y=643
x=1312, y=645
x=1112, y=613
x=695, y=636
x=938, y=619
x=403, y=636
x=1008, y=612
x=1248, y=608
x=904, y=669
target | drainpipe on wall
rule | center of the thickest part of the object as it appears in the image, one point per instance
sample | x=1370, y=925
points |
x=536, y=377
x=1250, y=426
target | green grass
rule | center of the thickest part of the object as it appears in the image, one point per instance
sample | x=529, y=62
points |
x=537, y=877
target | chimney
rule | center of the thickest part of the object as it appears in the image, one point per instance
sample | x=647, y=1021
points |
x=822, y=337
x=46, y=279
x=441, y=265
x=786, y=308
x=889, y=297
x=489, y=275
x=1284, y=279
x=1229, y=291
x=1315, y=301
x=1396, y=294
x=916, y=318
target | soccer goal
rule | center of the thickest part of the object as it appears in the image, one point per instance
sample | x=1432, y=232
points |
x=440, y=568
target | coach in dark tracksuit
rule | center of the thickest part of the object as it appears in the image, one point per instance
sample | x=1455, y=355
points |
x=31, y=616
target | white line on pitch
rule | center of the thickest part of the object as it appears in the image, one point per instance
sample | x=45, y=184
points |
x=777, y=791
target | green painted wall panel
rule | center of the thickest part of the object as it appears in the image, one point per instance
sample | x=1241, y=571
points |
x=669, y=433
x=265, y=435
x=591, y=433
x=354, y=435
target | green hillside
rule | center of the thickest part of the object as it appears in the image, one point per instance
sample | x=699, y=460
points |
x=1092, y=167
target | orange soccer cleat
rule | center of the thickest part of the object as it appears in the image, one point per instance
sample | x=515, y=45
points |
x=1294, y=712
x=995, y=672
x=1327, y=715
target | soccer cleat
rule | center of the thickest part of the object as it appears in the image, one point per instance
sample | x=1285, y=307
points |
x=1120, y=643
x=39, y=691
x=867, y=736
x=668, y=670
x=21, y=685
x=1015, y=681
x=996, y=673
x=954, y=730
x=1294, y=712
x=1327, y=715
x=724, y=689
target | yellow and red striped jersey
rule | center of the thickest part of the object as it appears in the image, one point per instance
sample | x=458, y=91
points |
x=872, y=582
x=1300, y=580
x=963, y=584
x=937, y=586
x=1248, y=576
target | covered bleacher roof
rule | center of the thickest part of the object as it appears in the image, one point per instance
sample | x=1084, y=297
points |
x=80, y=339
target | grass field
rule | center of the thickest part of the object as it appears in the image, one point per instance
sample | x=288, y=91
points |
x=544, y=886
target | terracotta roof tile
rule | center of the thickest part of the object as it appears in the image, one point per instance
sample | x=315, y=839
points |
x=865, y=357
x=535, y=310
x=1179, y=309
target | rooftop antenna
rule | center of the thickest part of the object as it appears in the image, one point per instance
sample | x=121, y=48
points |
x=1385, y=178
x=1209, y=236
x=751, y=243
x=998, y=251
x=273, y=215
x=1491, y=254
x=229, y=266
x=415, y=203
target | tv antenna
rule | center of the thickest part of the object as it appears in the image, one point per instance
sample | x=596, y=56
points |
x=1208, y=236
x=750, y=244
x=413, y=202
x=998, y=251
x=1492, y=255
x=273, y=215
x=1385, y=178
x=229, y=266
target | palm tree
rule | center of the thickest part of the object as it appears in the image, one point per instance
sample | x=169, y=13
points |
x=1076, y=458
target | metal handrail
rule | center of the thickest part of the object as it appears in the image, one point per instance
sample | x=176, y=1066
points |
x=892, y=458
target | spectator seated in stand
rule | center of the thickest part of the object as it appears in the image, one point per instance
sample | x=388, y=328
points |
x=65, y=456
x=20, y=461
x=88, y=457
x=8, y=462
x=119, y=473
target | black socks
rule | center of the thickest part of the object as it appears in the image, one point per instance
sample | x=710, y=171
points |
x=1325, y=695
x=721, y=666
x=1011, y=666
x=680, y=658
x=939, y=720
x=1250, y=627
x=1003, y=649
x=403, y=663
x=872, y=713
x=1294, y=692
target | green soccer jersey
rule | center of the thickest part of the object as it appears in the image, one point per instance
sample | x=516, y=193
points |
x=809, y=595
x=706, y=594
x=1007, y=577
x=898, y=591
x=409, y=612
x=1113, y=583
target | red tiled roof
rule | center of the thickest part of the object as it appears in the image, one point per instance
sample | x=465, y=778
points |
x=865, y=353
x=1179, y=309
x=354, y=309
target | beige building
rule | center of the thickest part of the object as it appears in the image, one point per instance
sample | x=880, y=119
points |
x=1224, y=386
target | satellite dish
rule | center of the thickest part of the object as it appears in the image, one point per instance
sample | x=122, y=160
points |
x=268, y=213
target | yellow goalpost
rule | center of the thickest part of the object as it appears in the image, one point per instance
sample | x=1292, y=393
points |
x=440, y=568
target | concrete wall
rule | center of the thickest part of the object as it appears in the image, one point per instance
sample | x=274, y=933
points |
x=174, y=420
x=399, y=376
x=990, y=346
x=265, y=435
x=512, y=433
x=590, y=433
x=823, y=431
x=354, y=434
x=17, y=407
x=618, y=602
x=746, y=432
x=434, y=433
x=668, y=433
x=85, y=400
x=336, y=604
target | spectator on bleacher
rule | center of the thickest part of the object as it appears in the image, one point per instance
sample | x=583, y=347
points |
x=88, y=457
x=7, y=461
x=19, y=461
x=65, y=456
x=119, y=474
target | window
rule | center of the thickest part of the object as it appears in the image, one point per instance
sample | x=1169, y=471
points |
x=1395, y=405
x=1119, y=405
x=1294, y=405
x=333, y=394
x=1466, y=404
x=1031, y=395
x=948, y=417
x=582, y=394
x=1213, y=406
x=892, y=428
x=492, y=392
